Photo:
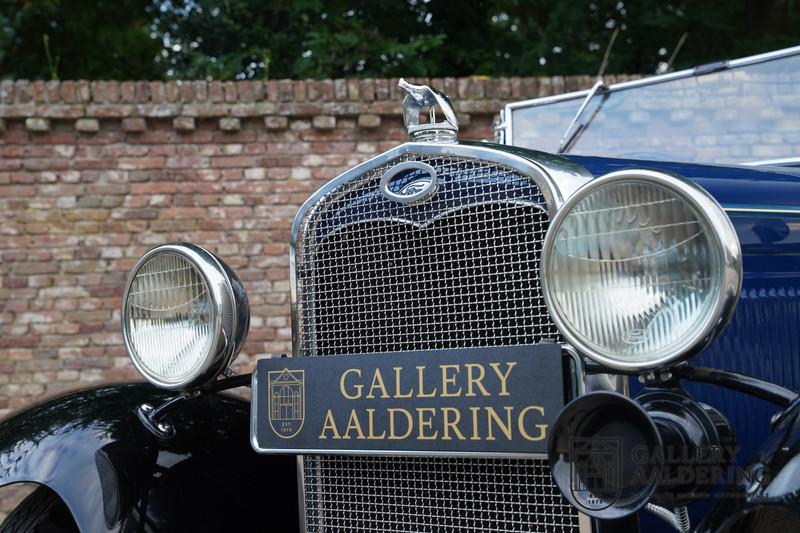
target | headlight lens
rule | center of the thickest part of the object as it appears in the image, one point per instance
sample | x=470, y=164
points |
x=641, y=269
x=184, y=317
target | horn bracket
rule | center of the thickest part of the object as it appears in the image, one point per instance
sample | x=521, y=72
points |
x=698, y=444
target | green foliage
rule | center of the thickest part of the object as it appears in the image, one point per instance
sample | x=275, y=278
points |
x=306, y=38
x=52, y=65
x=238, y=39
x=93, y=39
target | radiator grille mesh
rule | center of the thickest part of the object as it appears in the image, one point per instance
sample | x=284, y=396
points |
x=459, y=270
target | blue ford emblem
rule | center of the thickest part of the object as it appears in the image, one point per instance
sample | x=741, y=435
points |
x=409, y=182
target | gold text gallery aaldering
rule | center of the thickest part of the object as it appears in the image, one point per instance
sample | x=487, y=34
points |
x=442, y=422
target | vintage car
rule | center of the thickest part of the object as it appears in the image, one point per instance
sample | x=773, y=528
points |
x=588, y=328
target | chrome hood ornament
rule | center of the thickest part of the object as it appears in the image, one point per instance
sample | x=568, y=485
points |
x=418, y=97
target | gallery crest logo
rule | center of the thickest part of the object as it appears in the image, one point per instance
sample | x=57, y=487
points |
x=286, y=400
x=596, y=471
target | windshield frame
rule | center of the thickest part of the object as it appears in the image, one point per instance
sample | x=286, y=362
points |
x=505, y=130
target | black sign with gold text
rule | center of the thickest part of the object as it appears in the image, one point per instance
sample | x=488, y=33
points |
x=488, y=401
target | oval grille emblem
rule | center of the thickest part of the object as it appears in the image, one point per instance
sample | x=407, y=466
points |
x=415, y=186
x=409, y=182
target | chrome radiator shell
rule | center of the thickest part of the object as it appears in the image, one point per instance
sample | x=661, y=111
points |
x=344, y=493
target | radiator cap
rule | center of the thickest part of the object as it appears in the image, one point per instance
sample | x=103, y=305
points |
x=419, y=97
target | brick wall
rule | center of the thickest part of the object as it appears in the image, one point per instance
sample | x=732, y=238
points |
x=92, y=174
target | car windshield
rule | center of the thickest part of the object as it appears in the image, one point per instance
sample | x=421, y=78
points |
x=744, y=111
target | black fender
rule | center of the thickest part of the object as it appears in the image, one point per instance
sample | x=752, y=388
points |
x=114, y=475
x=766, y=496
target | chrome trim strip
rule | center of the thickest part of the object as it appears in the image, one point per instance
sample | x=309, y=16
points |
x=301, y=493
x=731, y=266
x=556, y=177
x=782, y=161
x=584, y=523
x=650, y=80
x=253, y=415
x=395, y=453
x=766, y=210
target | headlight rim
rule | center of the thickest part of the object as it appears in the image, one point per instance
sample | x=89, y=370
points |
x=728, y=250
x=219, y=281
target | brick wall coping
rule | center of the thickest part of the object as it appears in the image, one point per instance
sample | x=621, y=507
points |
x=86, y=102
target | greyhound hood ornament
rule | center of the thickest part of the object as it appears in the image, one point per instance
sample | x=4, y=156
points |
x=419, y=97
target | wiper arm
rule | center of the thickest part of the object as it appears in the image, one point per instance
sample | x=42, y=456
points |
x=572, y=132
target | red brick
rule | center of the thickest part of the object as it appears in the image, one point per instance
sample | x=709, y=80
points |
x=135, y=124
x=156, y=92
x=200, y=91
x=127, y=92
x=22, y=91
x=285, y=90
x=326, y=90
x=230, y=90
x=11, y=282
x=215, y=93
x=183, y=212
x=38, y=90
x=340, y=89
x=187, y=162
x=52, y=91
x=246, y=92
x=8, y=191
x=186, y=91
x=6, y=91
x=171, y=89
x=299, y=91
x=142, y=91
x=183, y=124
x=236, y=161
x=154, y=188
x=37, y=124
x=229, y=124
x=109, y=110
x=138, y=163
x=271, y=90
x=367, y=90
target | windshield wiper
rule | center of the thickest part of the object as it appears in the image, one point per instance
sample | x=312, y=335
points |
x=572, y=132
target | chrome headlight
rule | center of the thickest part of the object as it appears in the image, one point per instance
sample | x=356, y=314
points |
x=641, y=269
x=184, y=316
